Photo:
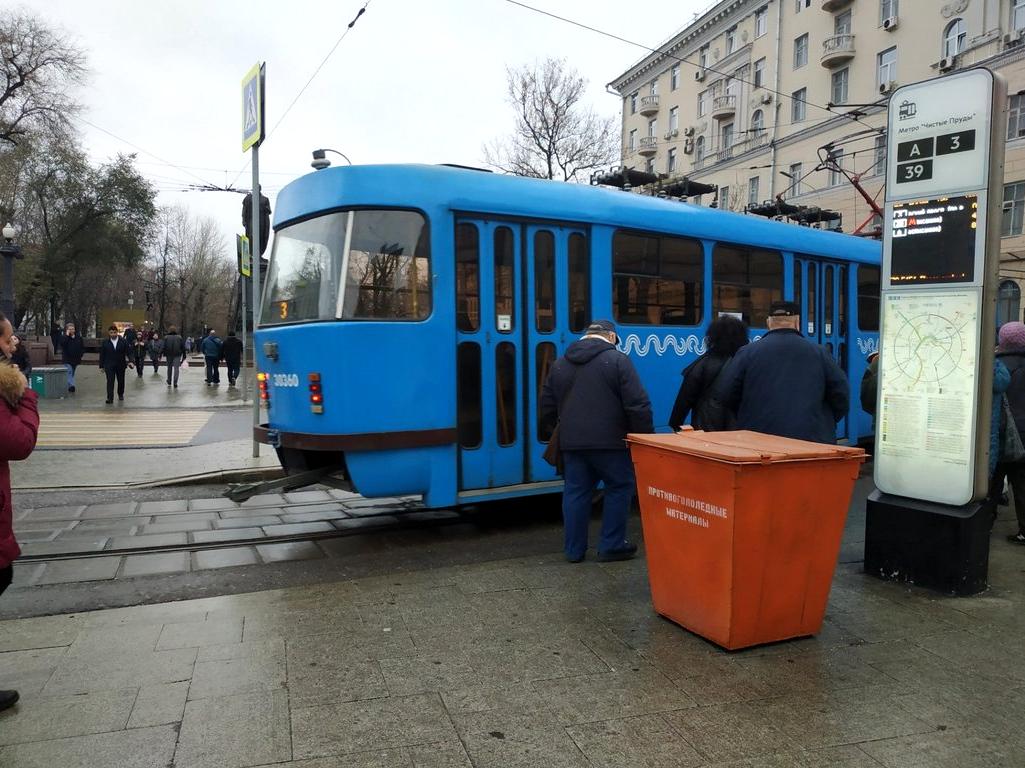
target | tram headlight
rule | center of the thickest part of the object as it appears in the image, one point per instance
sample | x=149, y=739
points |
x=316, y=394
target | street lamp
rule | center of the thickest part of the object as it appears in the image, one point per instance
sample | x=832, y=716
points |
x=10, y=251
x=320, y=161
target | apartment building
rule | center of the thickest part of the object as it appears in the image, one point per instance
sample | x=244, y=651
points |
x=754, y=95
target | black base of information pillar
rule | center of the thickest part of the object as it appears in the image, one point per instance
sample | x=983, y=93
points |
x=930, y=545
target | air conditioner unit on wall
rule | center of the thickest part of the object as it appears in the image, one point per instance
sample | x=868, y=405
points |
x=946, y=63
x=888, y=86
x=766, y=98
x=671, y=134
x=890, y=24
x=699, y=74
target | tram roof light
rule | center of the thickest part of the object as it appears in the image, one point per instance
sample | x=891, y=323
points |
x=320, y=161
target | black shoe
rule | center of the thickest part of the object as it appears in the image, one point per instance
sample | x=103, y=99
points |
x=1017, y=538
x=8, y=699
x=121, y=398
x=176, y=386
x=109, y=402
x=623, y=553
x=574, y=559
x=71, y=389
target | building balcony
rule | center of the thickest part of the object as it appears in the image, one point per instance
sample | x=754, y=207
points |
x=648, y=106
x=836, y=50
x=647, y=145
x=834, y=5
x=724, y=107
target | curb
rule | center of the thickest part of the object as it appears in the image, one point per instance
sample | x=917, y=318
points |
x=244, y=475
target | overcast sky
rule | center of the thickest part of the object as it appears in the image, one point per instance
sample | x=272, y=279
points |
x=413, y=81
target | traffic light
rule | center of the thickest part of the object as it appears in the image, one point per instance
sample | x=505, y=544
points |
x=247, y=220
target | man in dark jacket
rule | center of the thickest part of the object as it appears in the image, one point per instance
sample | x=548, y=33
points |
x=72, y=348
x=211, y=349
x=597, y=397
x=174, y=353
x=785, y=385
x=114, y=355
x=231, y=349
x=1011, y=353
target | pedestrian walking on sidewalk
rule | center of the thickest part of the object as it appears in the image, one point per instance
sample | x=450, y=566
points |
x=189, y=345
x=698, y=396
x=131, y=336
x=114, y=357
x=596, y=396
x=784, y=384
x=1011, y=353
x=72, y=349
x=155, y=347
x=137, y=352
x=19, y=425
x=174, y=353
x=231, y=350
x=20, y=358
x=211, y=349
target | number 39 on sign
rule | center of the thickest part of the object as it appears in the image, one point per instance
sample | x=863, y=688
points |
x=919, y=171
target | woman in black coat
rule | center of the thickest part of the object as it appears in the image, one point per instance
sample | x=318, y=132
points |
x=696, y=396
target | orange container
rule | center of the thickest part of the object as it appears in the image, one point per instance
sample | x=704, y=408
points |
x=742, y=530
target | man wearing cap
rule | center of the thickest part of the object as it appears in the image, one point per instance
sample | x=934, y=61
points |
x=784, y=384
x=597, y=397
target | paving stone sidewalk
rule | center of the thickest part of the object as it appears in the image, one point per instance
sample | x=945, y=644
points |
x=520, y=662
x=122, y=527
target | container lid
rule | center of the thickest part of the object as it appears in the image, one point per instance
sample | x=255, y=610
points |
x=744, y=447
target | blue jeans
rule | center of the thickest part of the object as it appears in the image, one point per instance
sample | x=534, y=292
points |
x=583, y=471
x=71, y=374
x=213, y=372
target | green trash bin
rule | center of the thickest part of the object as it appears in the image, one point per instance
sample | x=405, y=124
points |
x=49, y=382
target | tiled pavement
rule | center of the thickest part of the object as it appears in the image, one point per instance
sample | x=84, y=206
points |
x=522, y=662
x=122, y=527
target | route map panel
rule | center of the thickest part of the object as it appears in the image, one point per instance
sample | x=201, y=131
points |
x=927, y=386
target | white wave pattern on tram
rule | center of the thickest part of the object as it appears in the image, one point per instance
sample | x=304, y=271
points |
x=868, y=346
x=680, y=345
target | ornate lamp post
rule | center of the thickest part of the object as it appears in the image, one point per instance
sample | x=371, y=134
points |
x=10, y=251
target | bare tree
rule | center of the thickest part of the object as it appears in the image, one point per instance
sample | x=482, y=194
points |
x=40, y=70
x=555, y=135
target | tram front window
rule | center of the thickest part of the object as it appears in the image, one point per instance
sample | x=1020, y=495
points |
x=387, y=268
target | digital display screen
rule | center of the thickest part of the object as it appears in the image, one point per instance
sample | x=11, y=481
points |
x=933, y=241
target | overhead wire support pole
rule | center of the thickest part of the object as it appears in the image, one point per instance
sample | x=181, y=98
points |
x=255, y=259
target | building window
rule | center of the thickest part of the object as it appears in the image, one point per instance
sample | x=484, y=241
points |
x=632, y=143
x=746, y=281
x=759, y=73
x=653, y=88
x=799, y=4
x=798, y=105
x=880, y=155
x=703, y=56
x=633, y=103
x=752, y=191
x=724, y=197
x=954, y=37
x=1008, y=302
x=836, y=178
x=887, y=66
x=656, y=280
x=1014, y=208
x=649, y=167
x=731, y=40
x=1016, y=115
x=1018, y=15
x=761, y=21
x=842, y=23
x=674, y=119
x=702, y=103
x=801, y=51
x=699, y=149
x=887, y=10
x=727, y=136
x=838, y=86
x=757, y=123
x=795, y=179
x=652, y=128
x=674, y=78
x=671, y=162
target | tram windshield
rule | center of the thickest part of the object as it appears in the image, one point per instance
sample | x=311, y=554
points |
x=387, y=268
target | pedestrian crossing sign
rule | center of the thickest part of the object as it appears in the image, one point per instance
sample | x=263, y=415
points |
x=245, y=261
x=252, y=107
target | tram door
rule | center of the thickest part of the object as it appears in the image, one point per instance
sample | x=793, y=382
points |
x=513, y=319
x=821, y=287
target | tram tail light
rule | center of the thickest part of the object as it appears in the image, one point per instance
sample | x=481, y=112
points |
x=316, y=394
x=261, y=383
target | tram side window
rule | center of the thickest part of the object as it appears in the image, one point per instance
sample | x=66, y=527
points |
x=389, y=267
x=656, y=280
x=544, y=281
x=746, y=281
x=868, y=298
x=579, y=283
x=544, y=357
x=505, y=266
x=505, y=392
x=468, y=394
x=467, y=277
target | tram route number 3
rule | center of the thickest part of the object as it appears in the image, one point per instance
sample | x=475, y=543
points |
x=913, y=163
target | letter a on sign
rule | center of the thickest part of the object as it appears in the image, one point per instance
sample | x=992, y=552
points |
x=252, y=107
x=916, y=151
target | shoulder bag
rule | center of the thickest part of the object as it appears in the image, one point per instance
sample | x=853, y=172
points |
x=553, y=453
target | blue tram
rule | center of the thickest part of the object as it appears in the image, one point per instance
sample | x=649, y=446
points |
x=411, y=314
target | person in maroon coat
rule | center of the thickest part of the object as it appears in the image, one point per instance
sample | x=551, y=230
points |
x=19, y=424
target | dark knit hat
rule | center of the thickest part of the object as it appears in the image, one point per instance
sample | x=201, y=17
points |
x=1012, y=337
